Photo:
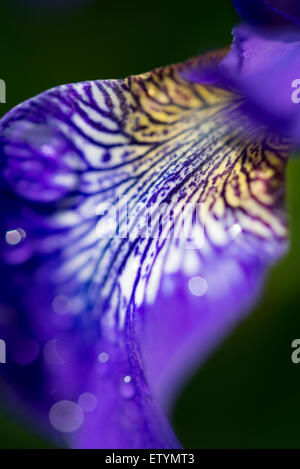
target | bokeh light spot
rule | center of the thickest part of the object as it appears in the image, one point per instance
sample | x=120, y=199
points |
x=88, y=401
x=66, y=416
x=198, y=286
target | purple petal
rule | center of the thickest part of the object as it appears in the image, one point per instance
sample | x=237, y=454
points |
x=269, y=12
x=262, y=66
x=106, y=310
x=265, y=69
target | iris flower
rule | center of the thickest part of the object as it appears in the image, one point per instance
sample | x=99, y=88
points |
x=139, y=219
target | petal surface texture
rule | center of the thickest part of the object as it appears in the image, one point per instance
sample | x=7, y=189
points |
x=139, y=218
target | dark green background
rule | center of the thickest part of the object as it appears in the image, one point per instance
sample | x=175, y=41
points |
x=246, y=395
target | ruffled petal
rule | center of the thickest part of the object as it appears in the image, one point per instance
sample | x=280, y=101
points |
x=140, y=216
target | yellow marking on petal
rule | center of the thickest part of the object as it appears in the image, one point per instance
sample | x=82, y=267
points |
x=237, y=172
x=274, y=160
x=258, y=188
x=156, y=93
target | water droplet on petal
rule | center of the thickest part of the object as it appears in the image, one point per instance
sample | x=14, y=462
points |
x=198, y=286
x=103, y=357
x=48, y=150
x=13, y=237
x=235, y=230
x=127, y=389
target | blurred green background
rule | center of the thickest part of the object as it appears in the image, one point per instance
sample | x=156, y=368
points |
x=246, y=395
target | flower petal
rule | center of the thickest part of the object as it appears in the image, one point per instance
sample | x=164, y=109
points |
x=269, y=12
x=263, y=66
x=106, y=309
x=265, y=69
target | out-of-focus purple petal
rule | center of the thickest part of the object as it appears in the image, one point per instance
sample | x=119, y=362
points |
x=269, y=12
x=264, y=68
x=110, y=310
x=194, y=312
